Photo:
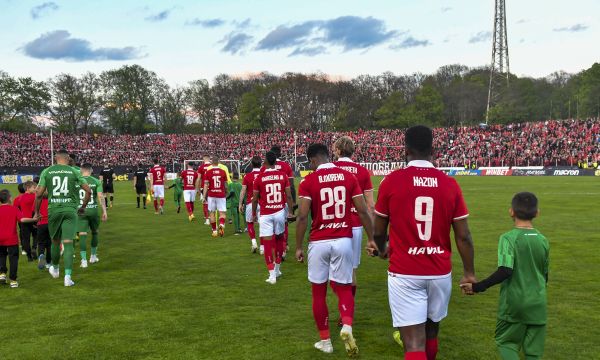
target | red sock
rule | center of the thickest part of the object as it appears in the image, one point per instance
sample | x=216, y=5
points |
x=415, y=355
x=188, y=206
x=268, y=243
x=155, y=204
x=162, y=202
x=279, y=248
x=205, y=208
x=345, y=303
x=332, y=284
x=251, y=231
x=222, y=221
x=354, y=291
x=320, y=311
x=192, y=206
x=431, y=348
x=214, y=226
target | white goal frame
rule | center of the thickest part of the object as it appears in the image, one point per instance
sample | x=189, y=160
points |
x=232, y=165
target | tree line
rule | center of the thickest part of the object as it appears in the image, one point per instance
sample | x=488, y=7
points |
x=135, y=100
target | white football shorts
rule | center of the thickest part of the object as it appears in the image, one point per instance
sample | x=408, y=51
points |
x=159, y=191
x=413, y=301
x=357, y=235
x=189, y=195
x=330, y=260
x=217, y=204
x=273, y=224
x=249, y=217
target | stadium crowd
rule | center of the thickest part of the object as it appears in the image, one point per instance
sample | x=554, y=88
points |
x=552, y=142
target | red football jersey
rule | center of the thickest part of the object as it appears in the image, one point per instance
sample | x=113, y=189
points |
x=271, y=185
x=201, y=170
x=421, y=203
x=248, y=182
x=26, y=204
x=216, y=178
x=331, y=191
x=282, y=166
x=364, y=181
x=158, y=175
x=43, y=212
x=189, y=178
x=9, y=217
x=17, y=201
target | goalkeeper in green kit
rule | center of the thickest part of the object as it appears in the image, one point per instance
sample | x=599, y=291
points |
x=90, y=219
x=523, y=272
x=234, y=189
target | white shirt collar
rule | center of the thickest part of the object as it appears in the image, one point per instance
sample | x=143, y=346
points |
x=420, y=163
x=346, y=159
x=256, y=169
x=326, y=166
x=270, y=169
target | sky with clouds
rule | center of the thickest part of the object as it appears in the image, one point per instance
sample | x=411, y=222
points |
x=186, y=40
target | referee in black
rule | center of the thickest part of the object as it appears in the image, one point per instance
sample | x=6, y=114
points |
x=139, y=184
x=107, y=175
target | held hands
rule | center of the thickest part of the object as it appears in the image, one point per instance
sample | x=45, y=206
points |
x=466, y=284
x=300, y=255
x=37, y=217
x=241, y=208
x=371, y=248
x=81, y=211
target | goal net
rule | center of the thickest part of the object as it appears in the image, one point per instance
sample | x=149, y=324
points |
x=234, y=166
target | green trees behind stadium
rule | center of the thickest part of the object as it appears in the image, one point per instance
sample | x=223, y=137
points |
x=135, y=100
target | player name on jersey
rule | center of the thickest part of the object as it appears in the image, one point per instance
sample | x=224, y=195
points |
x=425, y=181
x=331, y=177
x=273, y=178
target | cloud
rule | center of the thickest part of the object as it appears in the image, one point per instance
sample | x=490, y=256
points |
x=574, y=28
x=309, y=51
x=161, y=16
x=410, y=42
x=59, y=45
x=235, y=42
x=284, y=36
x=43, y=9
x=241, y=24
x=446, y=9
x=206, y=23
x=311, y=37
x=480, y=37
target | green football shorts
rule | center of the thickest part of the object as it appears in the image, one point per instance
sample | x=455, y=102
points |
x=62, y=224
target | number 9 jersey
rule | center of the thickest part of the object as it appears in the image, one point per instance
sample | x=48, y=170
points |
x=421, y=203
x=331, y=191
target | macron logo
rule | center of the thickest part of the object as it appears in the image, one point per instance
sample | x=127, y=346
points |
x=415, y=250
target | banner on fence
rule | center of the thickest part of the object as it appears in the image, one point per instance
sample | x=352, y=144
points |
x=15, y=179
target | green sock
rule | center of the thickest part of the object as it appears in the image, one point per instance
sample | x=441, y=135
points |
x=83, y=246
x=68, y=257
x=55, y=252
x=94, y=243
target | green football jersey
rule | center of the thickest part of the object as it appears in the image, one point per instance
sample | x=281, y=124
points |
x=523, y=295
x=178, y=185
x=95, y=187
x=236, y=188
x=62, y=183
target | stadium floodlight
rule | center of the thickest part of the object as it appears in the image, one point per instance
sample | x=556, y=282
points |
x=500, y=66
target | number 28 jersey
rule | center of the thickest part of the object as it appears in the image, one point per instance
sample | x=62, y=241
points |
x=271, y=185
x=216, y=178
x=331, y=191
x=421, y=203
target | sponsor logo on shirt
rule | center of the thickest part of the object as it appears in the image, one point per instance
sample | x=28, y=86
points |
x=415, y=250
x=334, y=226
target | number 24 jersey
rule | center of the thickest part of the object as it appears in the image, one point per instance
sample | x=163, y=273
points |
x=331, y=191
x=421, y=203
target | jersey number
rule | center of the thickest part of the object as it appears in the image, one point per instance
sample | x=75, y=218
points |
x=158, y=175
x=190, y=179
x=424, y=218
x=335, y=198
x=273, y=193
x=217, y=182
x=60, y=186
x=82, y=196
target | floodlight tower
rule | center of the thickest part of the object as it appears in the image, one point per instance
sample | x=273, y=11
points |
x=500, y=67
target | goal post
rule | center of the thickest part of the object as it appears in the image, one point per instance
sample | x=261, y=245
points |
x=234, y=166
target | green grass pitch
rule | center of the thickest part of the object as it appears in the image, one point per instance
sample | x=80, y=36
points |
x=164, y=289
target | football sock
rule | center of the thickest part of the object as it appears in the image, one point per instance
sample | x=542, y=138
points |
x=83, y=246
x=192, y=206
x=320, y=311
x=345, y=303
x=251, y=231
x=106, y=202
x=138, y=201
x=55, y=252
x=94, y=243
x=214, y=226
x=188, y=206
x=221, y=222
x=144, y=200
x=68, y=257
x=112, y=198
x=431, y=348
x=269, y=253
x=162, y=202
x=279, y=248
x=415, y=355
x=155, y=204
x=205, y=208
